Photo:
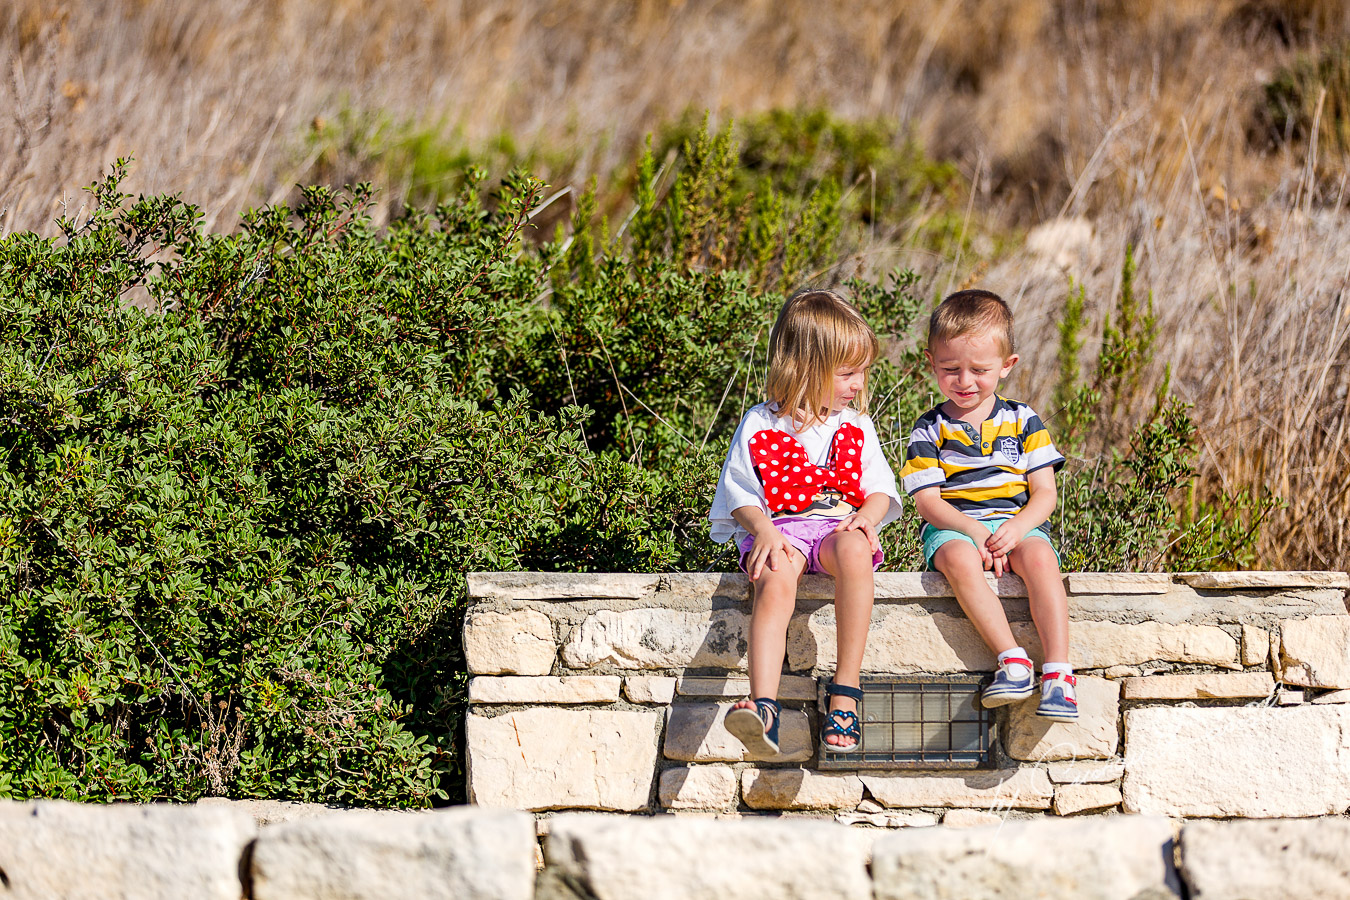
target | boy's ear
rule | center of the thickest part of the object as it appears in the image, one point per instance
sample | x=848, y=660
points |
x=1009, y=363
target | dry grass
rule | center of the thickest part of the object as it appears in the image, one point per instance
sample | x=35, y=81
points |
x=1131, y=113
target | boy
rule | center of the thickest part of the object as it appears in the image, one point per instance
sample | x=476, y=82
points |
x=981, y=470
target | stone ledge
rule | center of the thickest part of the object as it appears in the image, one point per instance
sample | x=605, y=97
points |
x=1267, y=860
x=373, y=855
x=1227, y=581
x=55, y=849
x=1117, y=858
x=983, y=789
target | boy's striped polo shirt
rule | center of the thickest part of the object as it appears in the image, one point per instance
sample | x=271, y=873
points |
x=981, y=471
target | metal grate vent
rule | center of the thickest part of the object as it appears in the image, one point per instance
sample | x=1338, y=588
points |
x=920, y=721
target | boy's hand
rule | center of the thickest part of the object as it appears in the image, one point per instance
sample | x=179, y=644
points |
x=859, y=522
x=770, y=548
x=1008, y=536
x=999, y=564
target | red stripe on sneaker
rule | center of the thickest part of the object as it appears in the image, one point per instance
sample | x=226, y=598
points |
x=1071, y=679
x=1014, y=660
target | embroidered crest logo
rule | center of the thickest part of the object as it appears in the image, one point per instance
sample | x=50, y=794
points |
x=1011, y=448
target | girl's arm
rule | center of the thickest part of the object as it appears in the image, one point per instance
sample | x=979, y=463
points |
x=768, y=540
x=868, y=518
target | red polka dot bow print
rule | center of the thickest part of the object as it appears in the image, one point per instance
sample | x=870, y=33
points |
x=791, y=483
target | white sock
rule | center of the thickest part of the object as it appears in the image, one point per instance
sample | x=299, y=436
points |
x=1050, y=668
x=1016, y=670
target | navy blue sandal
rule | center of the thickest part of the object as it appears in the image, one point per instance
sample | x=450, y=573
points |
x=841, y=723
x=757, y=728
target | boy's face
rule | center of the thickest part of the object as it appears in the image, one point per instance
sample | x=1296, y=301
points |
x=968, y=369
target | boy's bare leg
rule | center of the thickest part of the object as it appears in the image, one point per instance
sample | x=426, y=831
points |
x=960, y=563
x=775, y=600
x=1035, y=562
x=847, y=555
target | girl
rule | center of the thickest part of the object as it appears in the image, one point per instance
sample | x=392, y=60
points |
x=804, y=489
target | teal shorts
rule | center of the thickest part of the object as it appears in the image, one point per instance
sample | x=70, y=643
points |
x=933, y=538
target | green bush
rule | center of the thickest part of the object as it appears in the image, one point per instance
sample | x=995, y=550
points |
x=236, y=529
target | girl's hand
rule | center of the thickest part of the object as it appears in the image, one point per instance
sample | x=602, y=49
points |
x=859, y=522
x=1007, y=537
x=770, y=547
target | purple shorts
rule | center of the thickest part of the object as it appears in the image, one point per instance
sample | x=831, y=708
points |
x=806, y=535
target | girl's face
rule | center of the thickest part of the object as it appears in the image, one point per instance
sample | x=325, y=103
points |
x=847, y=382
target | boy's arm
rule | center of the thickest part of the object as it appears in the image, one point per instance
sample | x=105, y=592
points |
x=1040, y=504
x=941, y=514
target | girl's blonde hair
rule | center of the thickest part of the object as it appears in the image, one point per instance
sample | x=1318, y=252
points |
x=816, y=333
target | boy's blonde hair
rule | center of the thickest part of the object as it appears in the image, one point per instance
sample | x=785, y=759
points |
x=816, y=332
x=972, y=312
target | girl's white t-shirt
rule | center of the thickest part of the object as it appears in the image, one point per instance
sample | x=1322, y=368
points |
x=739, y=486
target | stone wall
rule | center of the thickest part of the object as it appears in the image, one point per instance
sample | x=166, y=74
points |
x=1201, y=695
x=222, y=850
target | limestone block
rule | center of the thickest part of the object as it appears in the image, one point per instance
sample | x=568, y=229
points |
x=563, y=758
x=1254, y=762
x=1118, y=582
x=1027, y=788
x=698, y=787
x=380, y=855
x=799, y=789
x=1086, y=772
x=1094, y=736
x=657, y=638
x=790, y=687
x=561, y=585
x=1074, y=798
x=1315, y=652
x=1267, y=860
x=545, y=689
x=512, y=643
x=649, y=688
x=1198, y=687
x=1230, y=581
x=1115, y=858
x=1122, y=671
x=970, y=818
x=272, y=812
x=887, y=819
x=909, y=586
x=51, y=849
x=1097, y=645
x=1333, y=697
x=900, y=642
x=693, y=858
x=1255, y=645
x=695, y=733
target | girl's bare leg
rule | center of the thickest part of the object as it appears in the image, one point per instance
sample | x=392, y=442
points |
x=775, y=600
x=847, y=555
x=960, y=563
x=1035, y=562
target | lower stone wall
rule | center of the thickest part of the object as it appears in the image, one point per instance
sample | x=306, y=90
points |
x=218, y=851
x=1201, y=695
